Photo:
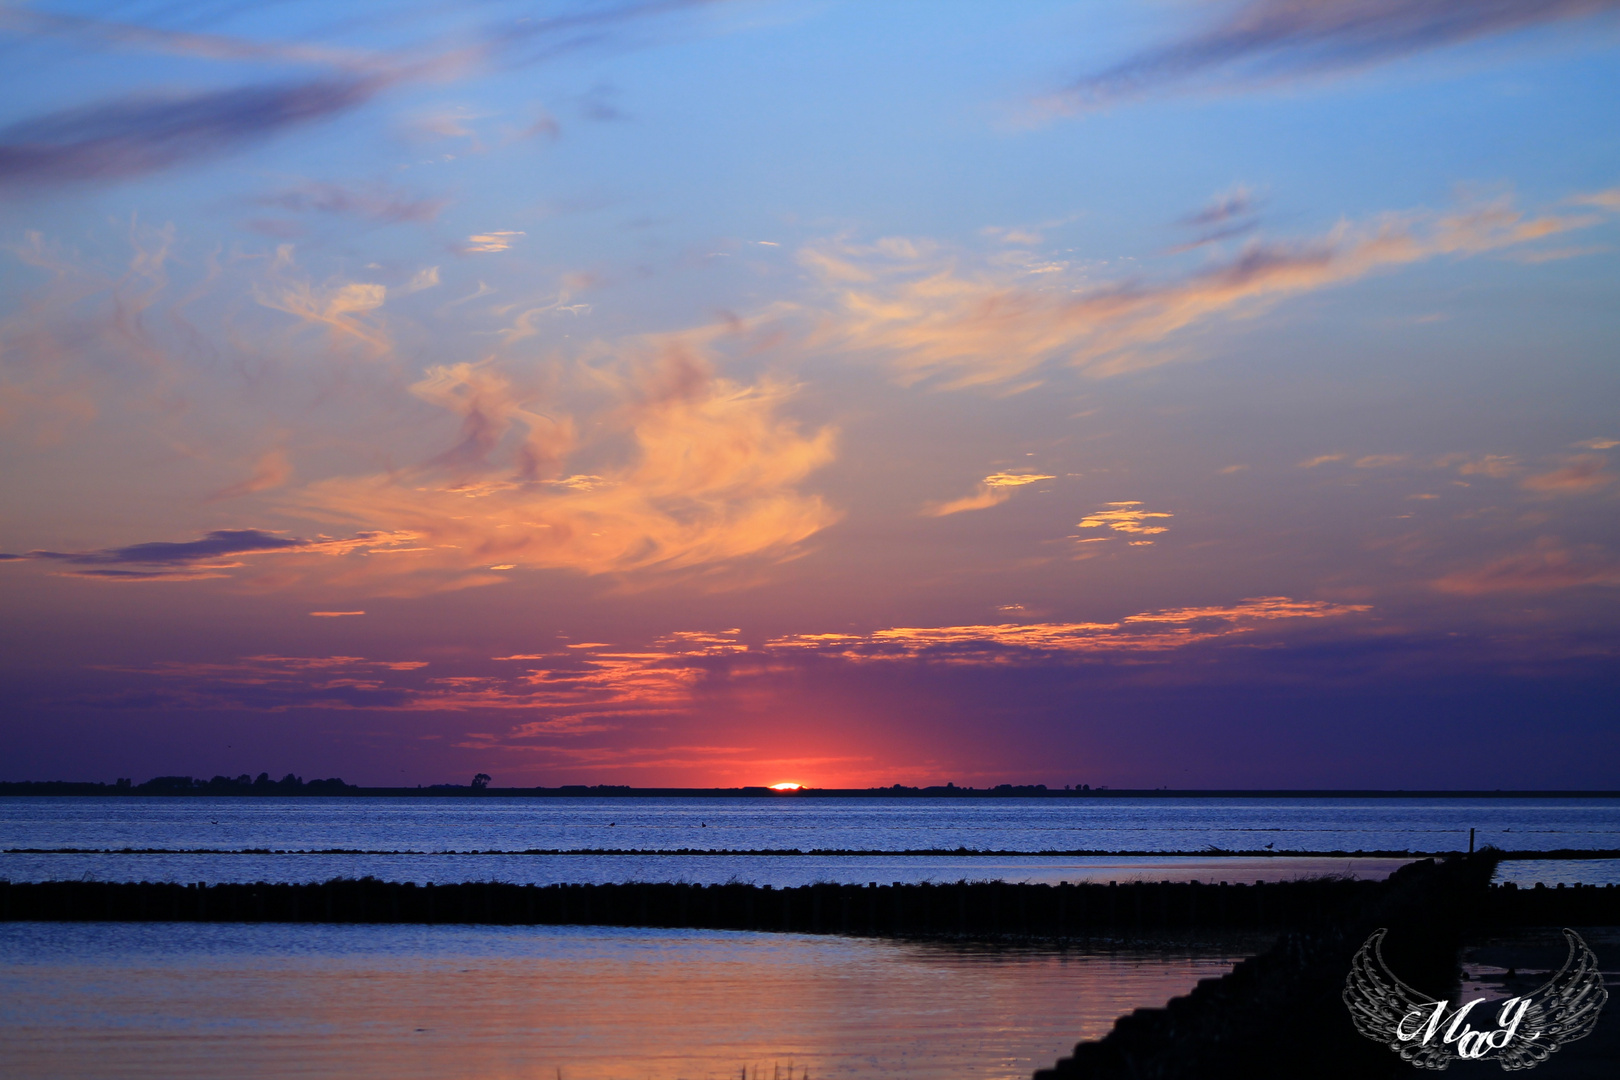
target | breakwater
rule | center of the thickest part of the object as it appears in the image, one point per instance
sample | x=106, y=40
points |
x=978, y=908
x=964, y=908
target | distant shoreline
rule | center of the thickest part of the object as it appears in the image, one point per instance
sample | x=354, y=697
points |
x=338, y=789
x=1529, y=854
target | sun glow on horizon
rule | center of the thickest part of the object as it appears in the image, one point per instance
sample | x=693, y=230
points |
x=786, y=787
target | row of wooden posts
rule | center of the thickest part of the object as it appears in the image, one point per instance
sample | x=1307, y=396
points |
x=826, y=908
x=874, y=909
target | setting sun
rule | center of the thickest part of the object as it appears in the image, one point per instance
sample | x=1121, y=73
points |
x=785, y=787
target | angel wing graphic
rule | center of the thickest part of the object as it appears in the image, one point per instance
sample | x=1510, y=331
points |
x=1378, y=1002
x=1562, y=1010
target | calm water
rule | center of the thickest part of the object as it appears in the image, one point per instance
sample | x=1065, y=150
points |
x=178, y=1001
x=458, y=839
x=1020, y=825
x=139, y=1000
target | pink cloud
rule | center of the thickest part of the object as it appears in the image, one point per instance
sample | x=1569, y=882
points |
x=1547, y=567
x=1579, y=476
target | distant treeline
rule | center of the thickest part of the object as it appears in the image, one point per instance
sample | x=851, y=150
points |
x=479, y=787
x=187, y=785
x=296, y=785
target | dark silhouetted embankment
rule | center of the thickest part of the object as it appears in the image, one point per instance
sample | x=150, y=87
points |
x=1279, y=1015
x=965, y=908
x=972, y=909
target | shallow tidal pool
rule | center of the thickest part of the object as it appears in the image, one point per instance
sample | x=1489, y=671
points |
x=183, y=1000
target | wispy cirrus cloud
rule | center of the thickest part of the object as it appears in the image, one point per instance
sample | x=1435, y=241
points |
x=1495, y=466
x=1261, y=42
x=1240, y=202
x=1548, y=566
x=993, y=490
x=553, y=701
x=140, y=132
x=348, y=311
x=934, y=321
x=112, y=33
x=1225, y=217
x=1608, y=200
x=562, y=693
x=275, y=683
x=271, y=471
x=1578, y=475
x=119, y=140
x=373, y=203
x=1148, y=632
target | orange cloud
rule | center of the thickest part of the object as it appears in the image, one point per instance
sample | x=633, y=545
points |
x=490, y=242
x=993, y=490
x=347, y=310
x=702, y=643
x=563, y=693
x=710, y=475
x=1608, y=199
x=272, y=471
x=686, y=468
x=572, y=694
x=1157, y=631
x=912, y=305
x=1124, y=517
x=51, y=384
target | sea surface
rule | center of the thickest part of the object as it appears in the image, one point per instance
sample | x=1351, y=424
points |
x=782, y=842
x=185, y=1000
x=180, y=1001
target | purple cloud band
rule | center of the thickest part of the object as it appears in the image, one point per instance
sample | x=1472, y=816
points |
x=217, y=544
x=134, y=136
x=121, y=140
x=1268, y=39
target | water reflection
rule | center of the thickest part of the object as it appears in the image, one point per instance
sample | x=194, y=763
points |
x=180, y=1001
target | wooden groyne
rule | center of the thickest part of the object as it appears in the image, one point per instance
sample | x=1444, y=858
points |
x=974, y=909
x=963, y=908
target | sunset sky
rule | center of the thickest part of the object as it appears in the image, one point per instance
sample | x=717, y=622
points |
x=1148, y=393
